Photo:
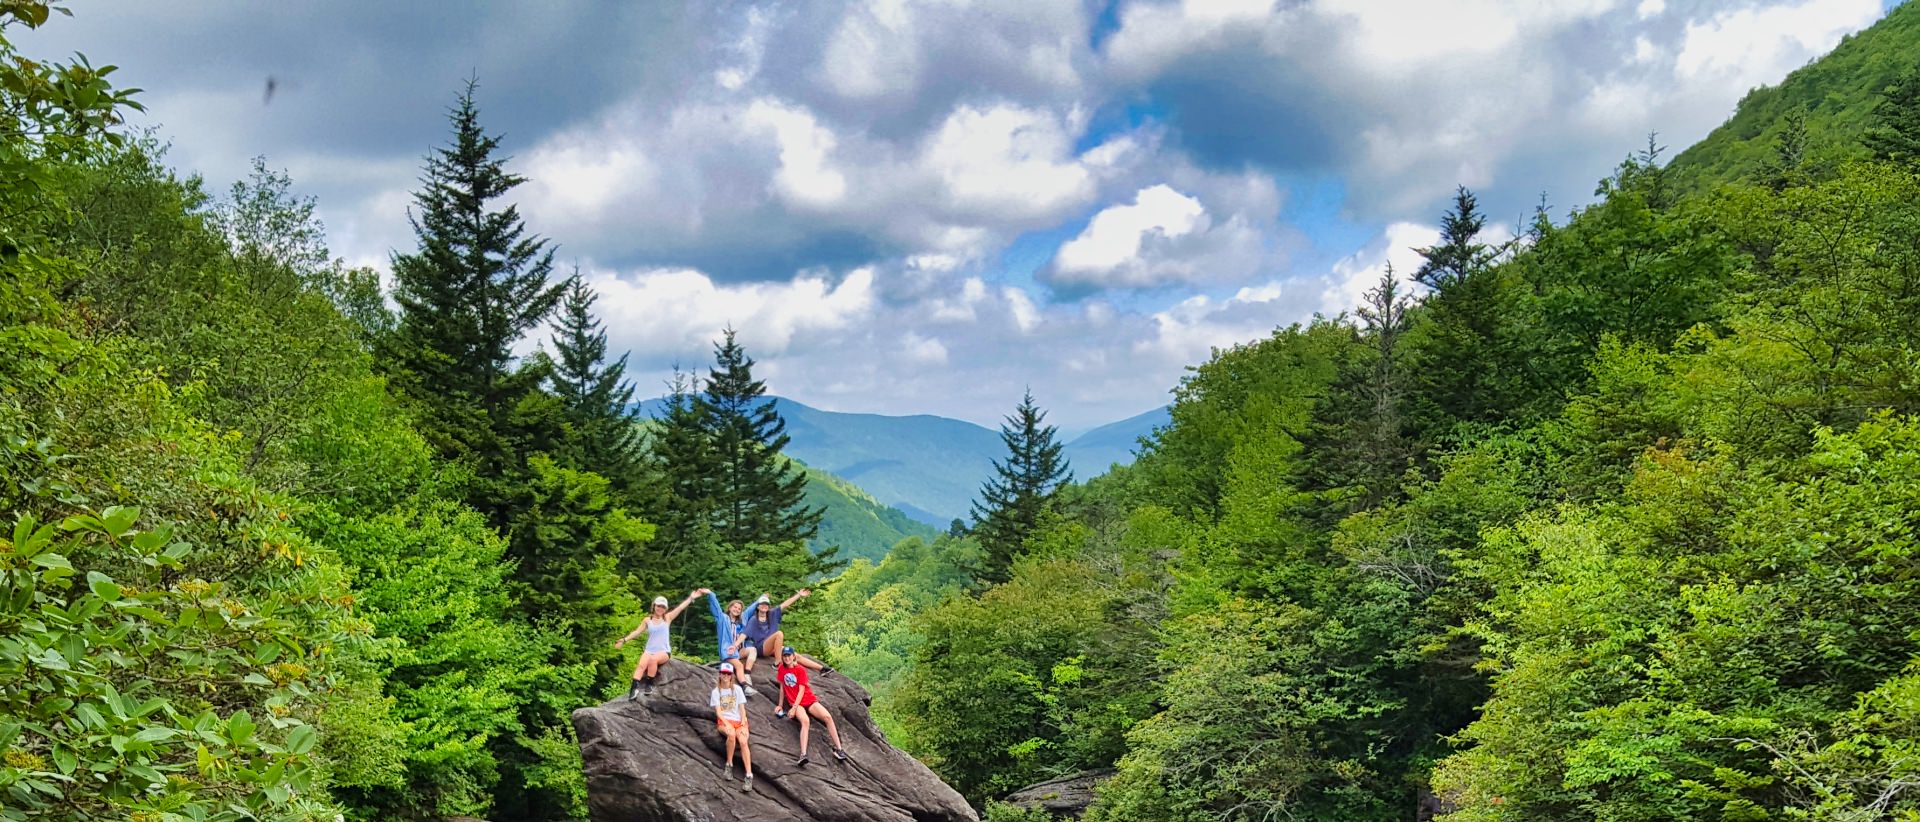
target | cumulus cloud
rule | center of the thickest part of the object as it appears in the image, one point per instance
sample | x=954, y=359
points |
x=1510, y=96
x=1162, y=237
x=676, y=310
x=916, y=207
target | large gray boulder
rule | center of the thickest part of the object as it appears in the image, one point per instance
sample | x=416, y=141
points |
x=660, y=759
x=1068, y=795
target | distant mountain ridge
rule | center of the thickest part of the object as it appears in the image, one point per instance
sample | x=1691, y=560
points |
x=930, y=467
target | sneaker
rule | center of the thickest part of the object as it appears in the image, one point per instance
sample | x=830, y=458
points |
x=748, y=690
x=747, y=784
x=839, y=754
x=827, y=670
x=730, y=769
x=648, y=692
x=803, y=761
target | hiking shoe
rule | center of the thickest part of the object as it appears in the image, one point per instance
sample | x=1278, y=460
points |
x=827, y=670
x=730, y=770
x=839, y=754
x=802, y=761
x=648, y=693
x=747, y=784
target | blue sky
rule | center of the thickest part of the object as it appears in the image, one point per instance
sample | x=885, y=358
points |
x=927, y=207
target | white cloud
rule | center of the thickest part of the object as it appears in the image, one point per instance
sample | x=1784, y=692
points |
x=1006, y=159
x=1107, y=252
x=892, y=152
x=1025, y=315
x=676, y=310
x=872, y=52
x=805, y=177
x=923, y=350
x=1756, y=45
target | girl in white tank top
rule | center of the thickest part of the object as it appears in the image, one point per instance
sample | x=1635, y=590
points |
x=659, y=647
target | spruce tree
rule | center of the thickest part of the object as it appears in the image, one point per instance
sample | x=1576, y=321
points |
x=1788, y=166
x=477, y=283
x=1460, y=253
x=1895, y=134
x=1384, y=323
x=594, y=391
x=1464, y=372
x=1013, y=503
x=683, y=464
x=757, y=495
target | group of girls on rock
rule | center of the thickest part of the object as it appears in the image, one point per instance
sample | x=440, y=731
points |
x=743, y=639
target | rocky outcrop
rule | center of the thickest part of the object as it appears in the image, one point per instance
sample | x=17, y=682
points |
x=1068, y=795
x=661, y=759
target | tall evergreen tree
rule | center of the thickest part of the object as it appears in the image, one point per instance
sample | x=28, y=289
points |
x=1895, y=134
x=477, y=283
x=1460, y=254
x=757, y=495
x=1382, y=424
x=1788, y=165
x=594, y=391
x=684, y=466
x=1464, y=369
x=1017, y=498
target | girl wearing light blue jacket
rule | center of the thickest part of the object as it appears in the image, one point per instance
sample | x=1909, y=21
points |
x=730, y=627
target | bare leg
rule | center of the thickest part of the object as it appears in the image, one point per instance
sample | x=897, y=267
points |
x=747, y=655
x=810, y=662
x=746, y=755
x=732, y=737
x=774, y=643
x=833, y=732
x=802, y=716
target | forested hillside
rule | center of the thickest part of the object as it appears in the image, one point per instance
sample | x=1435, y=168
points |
x=1616, y=520
x=1819, y=116
x=1612, y=521
x=279, y=546
x=854, y=522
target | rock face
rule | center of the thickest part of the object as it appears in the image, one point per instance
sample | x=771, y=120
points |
x=1068, y=795
x=662, y=760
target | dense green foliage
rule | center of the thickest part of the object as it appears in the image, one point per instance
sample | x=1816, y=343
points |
x=272, y=550
x=1614, y=521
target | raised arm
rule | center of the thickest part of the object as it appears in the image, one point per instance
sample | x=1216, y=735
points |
x=631, y=634
x=803, y=592
x=684, y=603
x=713, y=604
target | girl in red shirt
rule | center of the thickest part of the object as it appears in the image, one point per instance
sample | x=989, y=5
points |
x=796, y=691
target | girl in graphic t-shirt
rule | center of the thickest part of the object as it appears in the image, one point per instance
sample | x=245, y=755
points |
x=659, y=647
x=729, y=705
x=798, y=701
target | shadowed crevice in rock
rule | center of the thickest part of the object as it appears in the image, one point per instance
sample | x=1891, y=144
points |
x=662, y=760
